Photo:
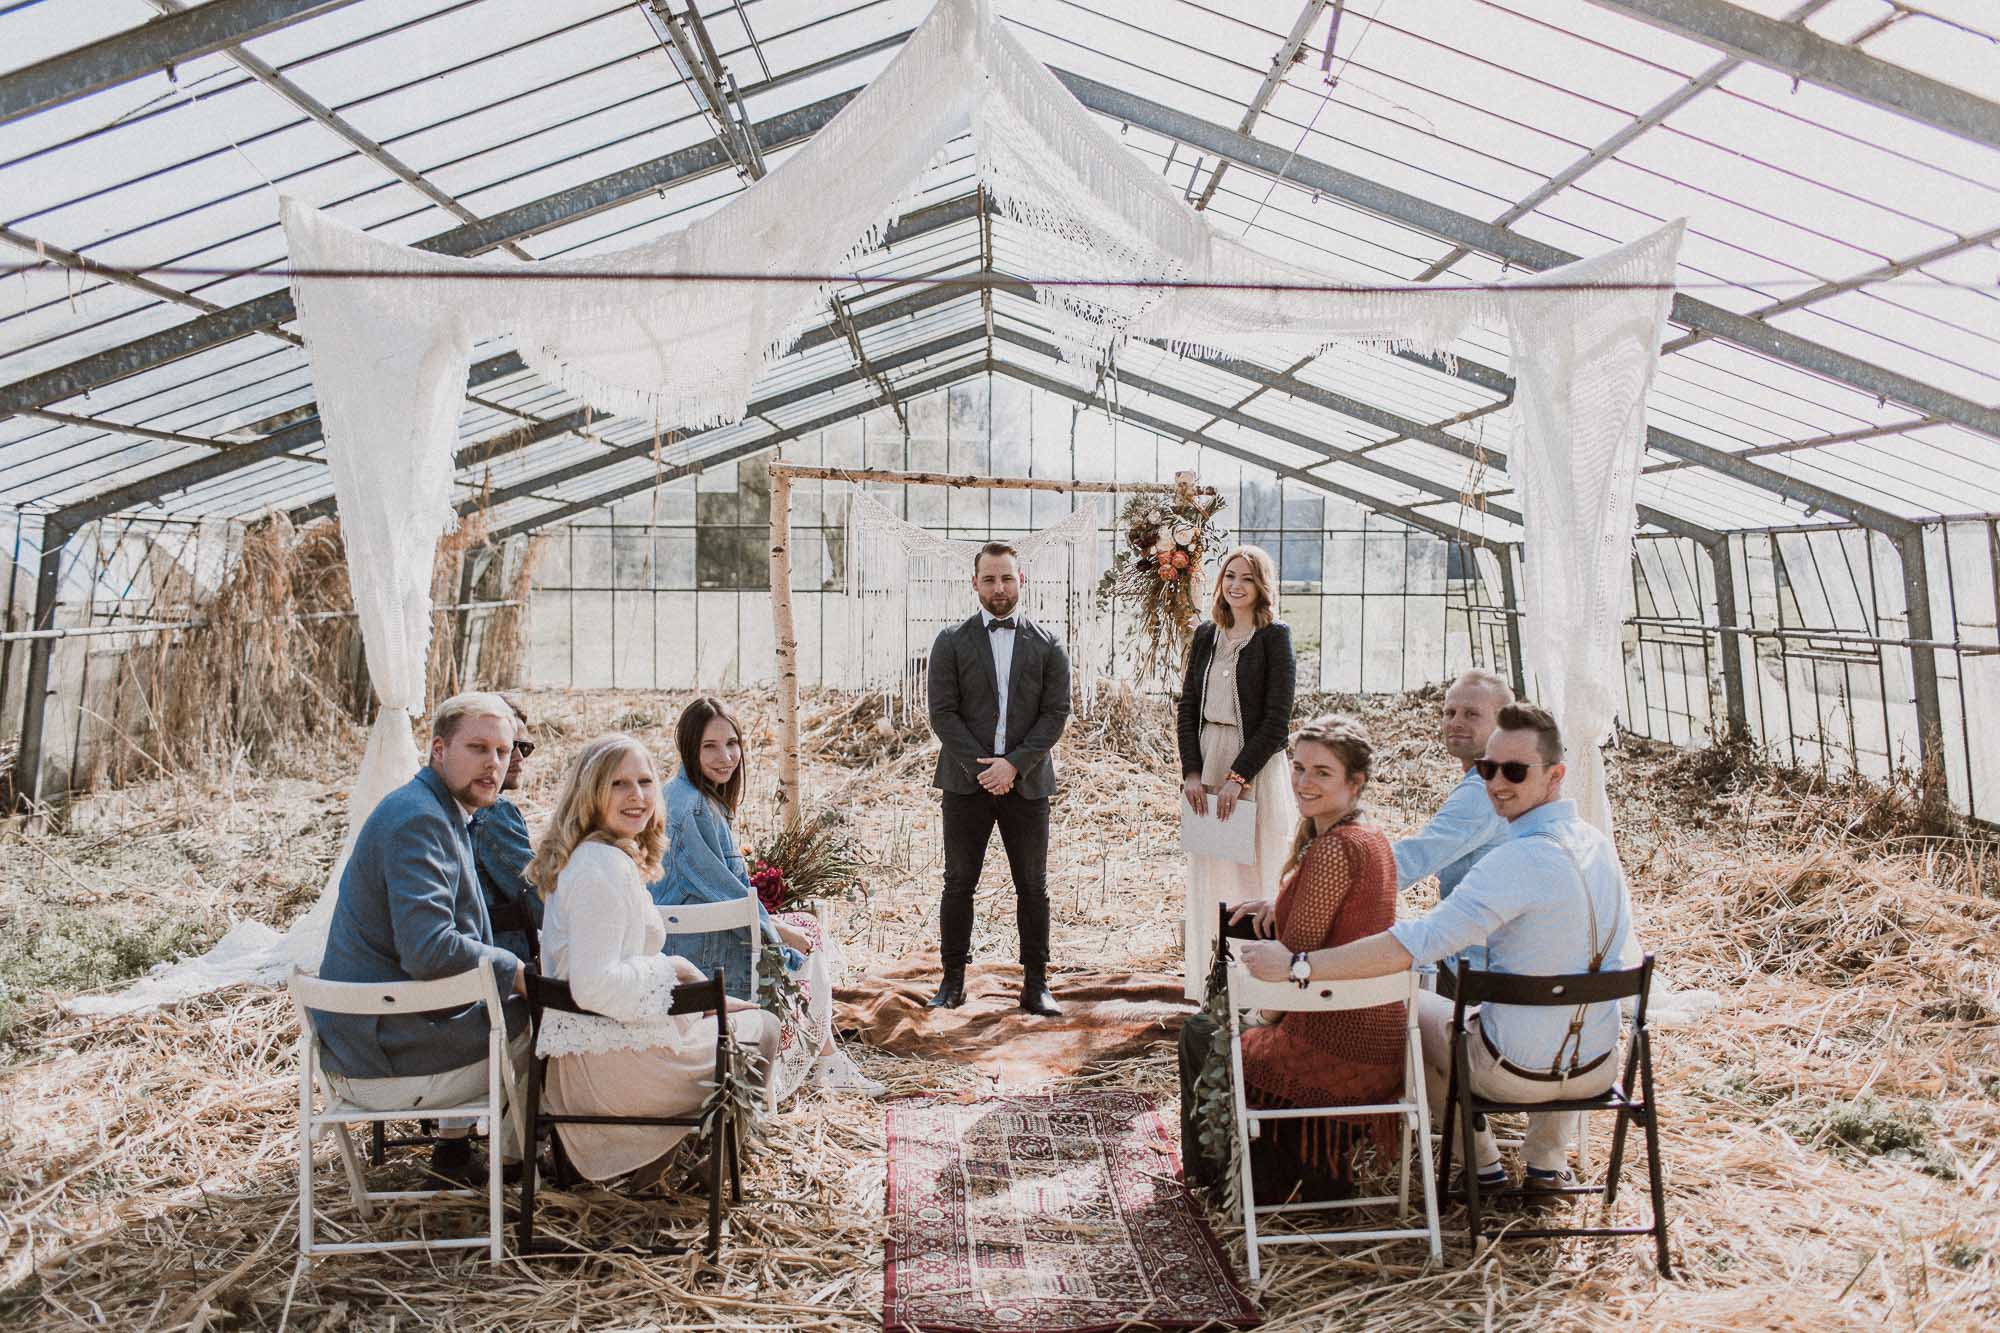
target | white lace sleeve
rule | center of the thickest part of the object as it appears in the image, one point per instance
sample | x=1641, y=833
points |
x=609, y=972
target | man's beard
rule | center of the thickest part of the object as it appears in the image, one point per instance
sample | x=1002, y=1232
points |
x=469, y=796
x=999, y=607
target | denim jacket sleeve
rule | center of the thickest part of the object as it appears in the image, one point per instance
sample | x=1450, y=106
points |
x=710, y=869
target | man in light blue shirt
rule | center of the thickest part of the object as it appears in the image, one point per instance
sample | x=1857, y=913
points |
x=1551, y=899
x=1466, y=827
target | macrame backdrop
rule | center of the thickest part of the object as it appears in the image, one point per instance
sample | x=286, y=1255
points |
x=389, y=356
x=906, y=583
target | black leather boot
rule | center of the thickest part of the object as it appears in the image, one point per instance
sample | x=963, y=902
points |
x=950, y=991
x=1035, y=997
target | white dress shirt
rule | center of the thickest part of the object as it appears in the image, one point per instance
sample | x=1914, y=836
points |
x=1001, y=643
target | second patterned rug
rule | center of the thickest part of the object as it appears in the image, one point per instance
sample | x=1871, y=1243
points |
x=1046, y=1214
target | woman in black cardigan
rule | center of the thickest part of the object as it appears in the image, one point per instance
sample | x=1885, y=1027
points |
x=1235, y=714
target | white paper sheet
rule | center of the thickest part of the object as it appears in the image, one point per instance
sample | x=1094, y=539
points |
x=1232, y=839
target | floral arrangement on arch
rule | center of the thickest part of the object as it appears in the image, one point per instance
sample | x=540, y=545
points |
x=1157, y=568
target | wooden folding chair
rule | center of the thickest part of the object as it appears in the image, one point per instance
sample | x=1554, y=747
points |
x=1631, y=1105
x=545, y=993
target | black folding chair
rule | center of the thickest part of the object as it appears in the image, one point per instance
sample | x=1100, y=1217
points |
x=545, y=993
x=1632, y=1106
x=507, y=916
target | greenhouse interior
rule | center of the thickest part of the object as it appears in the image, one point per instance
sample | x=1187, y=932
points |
x=1176, y=432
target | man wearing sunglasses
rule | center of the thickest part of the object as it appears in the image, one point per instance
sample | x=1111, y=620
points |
x=1550, y=900
x=1466, y=826
x=501, y=850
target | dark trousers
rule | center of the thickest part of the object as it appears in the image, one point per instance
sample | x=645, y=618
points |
x=1024, y=832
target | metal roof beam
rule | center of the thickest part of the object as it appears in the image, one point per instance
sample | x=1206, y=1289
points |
x=758, y=407
x=148, y=49
x=1150, y=422
x=1462, y=229
x=336, y=124
x=1721, y=461
x=944, y=379
x=1612, y=146
x=1791, y=48
x=1297, y=439
x=1274, y=79
x=473, y=238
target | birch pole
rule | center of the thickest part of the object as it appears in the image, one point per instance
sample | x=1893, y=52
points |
x=787, y=647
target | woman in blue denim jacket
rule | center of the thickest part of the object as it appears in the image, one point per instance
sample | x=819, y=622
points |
x=703, y=863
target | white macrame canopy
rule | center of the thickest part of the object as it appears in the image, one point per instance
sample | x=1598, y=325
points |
x=390, y=330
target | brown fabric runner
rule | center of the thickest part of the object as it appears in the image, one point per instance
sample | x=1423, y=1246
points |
x=1106, y=1016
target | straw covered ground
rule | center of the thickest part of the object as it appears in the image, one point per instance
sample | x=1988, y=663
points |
x=1832, y=1132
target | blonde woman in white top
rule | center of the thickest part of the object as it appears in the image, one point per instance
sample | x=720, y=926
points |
x=1235, y=715
x=602, y=934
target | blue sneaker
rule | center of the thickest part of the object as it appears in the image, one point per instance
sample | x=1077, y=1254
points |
x=1491, y=1179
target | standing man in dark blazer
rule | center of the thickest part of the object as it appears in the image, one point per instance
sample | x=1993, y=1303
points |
x=999, y=698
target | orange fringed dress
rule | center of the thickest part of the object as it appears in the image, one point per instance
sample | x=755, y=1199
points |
x=1344, y=890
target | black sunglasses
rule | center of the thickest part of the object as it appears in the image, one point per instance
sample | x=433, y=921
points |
x=524, y=748
x=1515, y=770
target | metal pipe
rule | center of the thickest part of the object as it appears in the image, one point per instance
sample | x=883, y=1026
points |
x=1821, y=636
x=161, y=626
x=1722, y=563
x=34, y=707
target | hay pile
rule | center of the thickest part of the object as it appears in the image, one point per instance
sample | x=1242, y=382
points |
x=1832, y=1134
x=278, y=655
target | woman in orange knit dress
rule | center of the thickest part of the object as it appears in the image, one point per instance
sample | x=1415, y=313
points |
x=1339, y=885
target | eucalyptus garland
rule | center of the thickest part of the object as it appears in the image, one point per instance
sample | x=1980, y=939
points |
x=1214, y=1100
x=739, y=1098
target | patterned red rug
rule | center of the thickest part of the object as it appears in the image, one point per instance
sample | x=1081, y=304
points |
x=1051, y=1214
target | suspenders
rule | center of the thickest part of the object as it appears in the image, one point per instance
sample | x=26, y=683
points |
x=1572, y=1041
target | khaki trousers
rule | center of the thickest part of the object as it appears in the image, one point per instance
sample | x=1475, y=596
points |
x=451, y=1087
x=1550, y=1134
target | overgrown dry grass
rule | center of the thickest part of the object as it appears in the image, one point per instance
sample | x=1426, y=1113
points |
x=1832, y=1132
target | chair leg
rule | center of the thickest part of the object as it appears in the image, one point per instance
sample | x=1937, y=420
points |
x=378, y=1142
x=357, y=1183
x=526, y=1230
x=735, y=1166
x=1445, y=1131
x=1462, y=1076
x=1617, y=1162
x=305, y=1182
x=1403, y=1172
x=1653, y=1171
x=717, y=1151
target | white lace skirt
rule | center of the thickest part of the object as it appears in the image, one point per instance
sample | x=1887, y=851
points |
x=1212, y=881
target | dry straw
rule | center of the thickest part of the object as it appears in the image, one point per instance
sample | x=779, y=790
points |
x=1832, y=1133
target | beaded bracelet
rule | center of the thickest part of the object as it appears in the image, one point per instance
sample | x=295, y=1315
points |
x=1238, y=779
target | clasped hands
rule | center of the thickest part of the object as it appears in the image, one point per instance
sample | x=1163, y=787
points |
x=1263, y=958
x=1226, y=796
x=997, y=776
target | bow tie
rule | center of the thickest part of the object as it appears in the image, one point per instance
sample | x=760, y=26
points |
x=999, y=623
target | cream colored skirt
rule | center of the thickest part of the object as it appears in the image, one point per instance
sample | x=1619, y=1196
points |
x=1212, y=881
x=660, y=1080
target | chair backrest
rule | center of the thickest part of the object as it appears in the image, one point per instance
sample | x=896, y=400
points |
x=700, y=918
x=1246, y=992
x=396, y=997
x=695, y=997
x=1557, y=992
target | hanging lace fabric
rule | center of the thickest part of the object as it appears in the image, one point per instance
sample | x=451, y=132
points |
x=390, y=330
x=906, y=583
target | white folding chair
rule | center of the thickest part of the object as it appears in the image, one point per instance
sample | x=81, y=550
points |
x=1246, y=992
x=336, y=1114
x=701, y=918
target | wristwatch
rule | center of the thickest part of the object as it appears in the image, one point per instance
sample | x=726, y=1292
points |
x=1301, y=970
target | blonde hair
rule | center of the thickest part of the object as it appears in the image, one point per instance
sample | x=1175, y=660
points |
x=473, y=703
x=1502, y=691
x=1348, y=739
x=1264, y=573
x=578, y=817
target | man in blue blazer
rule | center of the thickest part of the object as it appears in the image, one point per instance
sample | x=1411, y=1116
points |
x=410, y=909
x=999, y=699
